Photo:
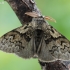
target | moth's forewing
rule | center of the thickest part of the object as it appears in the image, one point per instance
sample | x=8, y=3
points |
x=54, y=46
x=18, y=41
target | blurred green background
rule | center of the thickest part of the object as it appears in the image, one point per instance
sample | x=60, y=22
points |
x=58, y=9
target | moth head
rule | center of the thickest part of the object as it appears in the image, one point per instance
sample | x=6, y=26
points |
x=38, y=21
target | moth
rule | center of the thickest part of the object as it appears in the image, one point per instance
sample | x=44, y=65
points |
x=35, y=38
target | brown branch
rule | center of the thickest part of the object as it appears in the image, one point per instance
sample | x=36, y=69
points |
x=20, y=7
x=56, y=65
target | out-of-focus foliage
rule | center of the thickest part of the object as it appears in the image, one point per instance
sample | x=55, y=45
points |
x=58, y=9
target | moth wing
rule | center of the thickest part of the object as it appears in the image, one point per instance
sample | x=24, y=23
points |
x=16, y=42
x=54, y=46
x=43, y=53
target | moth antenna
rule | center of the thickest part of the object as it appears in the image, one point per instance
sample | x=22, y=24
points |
x=32, y=14
x=49, y=18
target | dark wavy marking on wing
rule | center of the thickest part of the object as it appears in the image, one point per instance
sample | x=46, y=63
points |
x=54, y=46
x=18, y=41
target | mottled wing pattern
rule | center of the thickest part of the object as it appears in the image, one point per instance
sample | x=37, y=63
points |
x=18, y=41
x=54, y=46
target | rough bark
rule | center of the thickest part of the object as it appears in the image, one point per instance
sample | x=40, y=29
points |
x=57, y=65
x=22, y=6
